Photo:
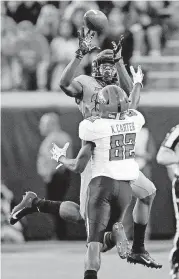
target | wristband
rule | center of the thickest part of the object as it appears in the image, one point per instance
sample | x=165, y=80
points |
x=79, y=54
x=118, y=59
x=139, y=83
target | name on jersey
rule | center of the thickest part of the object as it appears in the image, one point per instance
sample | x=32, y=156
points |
x=122, y=128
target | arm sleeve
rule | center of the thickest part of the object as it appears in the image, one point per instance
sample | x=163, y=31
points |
x=80, y=79
x=86, y=131
x=172, y=138
x=140, y=118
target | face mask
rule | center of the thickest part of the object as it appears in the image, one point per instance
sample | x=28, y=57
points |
x=107, y=71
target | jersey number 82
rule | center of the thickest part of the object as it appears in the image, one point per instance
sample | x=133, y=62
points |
x=122, y=146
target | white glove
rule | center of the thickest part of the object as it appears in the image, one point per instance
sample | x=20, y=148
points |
x=58, y=152
x=137, y=76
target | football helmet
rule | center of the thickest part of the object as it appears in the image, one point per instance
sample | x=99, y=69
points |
x=105, y=56
x=111, y=100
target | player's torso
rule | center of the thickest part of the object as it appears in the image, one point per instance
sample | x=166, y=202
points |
x=89, y=105
x=114, y=154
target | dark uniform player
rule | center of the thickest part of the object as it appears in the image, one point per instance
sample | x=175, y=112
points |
x=169, y=155
x=85, y=89
x=108, y=68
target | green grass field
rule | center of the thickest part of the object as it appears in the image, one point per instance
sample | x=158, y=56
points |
x=64, y=260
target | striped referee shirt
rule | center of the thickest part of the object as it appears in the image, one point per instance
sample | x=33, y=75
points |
x=171, y=141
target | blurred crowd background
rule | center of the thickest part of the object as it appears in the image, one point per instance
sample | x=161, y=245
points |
x=39, y=38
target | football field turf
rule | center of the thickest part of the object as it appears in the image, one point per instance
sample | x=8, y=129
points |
x=64, y=260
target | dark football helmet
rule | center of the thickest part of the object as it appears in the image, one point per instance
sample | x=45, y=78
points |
x=104, y=57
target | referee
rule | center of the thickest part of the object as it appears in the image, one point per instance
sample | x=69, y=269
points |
x=168, y=154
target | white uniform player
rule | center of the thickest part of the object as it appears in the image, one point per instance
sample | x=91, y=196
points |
x=114, y=154
x=88, y=105
x=113, y=167
x=122, y=139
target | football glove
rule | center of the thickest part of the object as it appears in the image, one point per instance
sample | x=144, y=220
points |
x=137, y=76
x=85, y=43
x=117, y=48
x=58, y=152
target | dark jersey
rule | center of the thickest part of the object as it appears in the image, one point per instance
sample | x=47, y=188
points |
x=88, y=105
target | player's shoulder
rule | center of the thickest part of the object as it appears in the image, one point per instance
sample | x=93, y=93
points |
x=92, y=119
x=83, y=79
x=134, y=112
x=86, y=129
x=136, y=116
x=89, y=123
x=85, y=123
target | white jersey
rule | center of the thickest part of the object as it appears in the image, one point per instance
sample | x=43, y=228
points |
x=172, y=141
x=114, y=152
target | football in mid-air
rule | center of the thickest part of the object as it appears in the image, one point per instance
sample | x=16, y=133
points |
x=96, y=20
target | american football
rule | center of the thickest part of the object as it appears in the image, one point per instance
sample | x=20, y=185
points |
x=96, y=20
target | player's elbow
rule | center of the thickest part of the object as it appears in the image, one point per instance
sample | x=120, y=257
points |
x=64, y=83
x=62, y=86
x=128, y=87
x=79, y=167
x=64, y=89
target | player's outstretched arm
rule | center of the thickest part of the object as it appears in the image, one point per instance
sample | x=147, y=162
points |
x=166, y=156
x=79, y=163
x=67, y=84
x=124, y=78
x=134, y=97
x=71, y=87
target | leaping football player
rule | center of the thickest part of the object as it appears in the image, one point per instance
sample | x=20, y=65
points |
x=108, y=68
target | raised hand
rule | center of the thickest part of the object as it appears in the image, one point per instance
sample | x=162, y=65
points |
x=85, y=43
x=137, y=76
x=57, y=152
x=117, y=48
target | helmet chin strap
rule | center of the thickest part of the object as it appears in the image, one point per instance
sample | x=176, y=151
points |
x=108, y=81
x=104, y=82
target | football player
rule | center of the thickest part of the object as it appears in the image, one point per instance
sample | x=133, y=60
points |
x=108, y=68
x=168, y=154
x=112, y=136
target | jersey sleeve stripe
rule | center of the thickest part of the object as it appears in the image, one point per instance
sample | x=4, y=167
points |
x=171, y=138
x=175, y=143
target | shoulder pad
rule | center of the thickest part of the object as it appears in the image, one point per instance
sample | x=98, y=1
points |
x=92, y=118
x=83, y=79
x=132, y=113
